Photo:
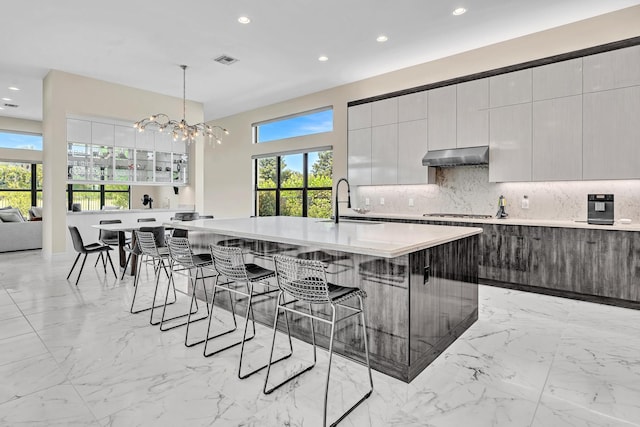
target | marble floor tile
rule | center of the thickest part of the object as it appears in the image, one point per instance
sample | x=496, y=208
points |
x=14, y=326
x=76, y=356
x=29, y=375
x=21, y=347
x=60, y=405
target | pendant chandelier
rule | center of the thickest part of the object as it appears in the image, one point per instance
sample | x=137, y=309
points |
x=181, y=130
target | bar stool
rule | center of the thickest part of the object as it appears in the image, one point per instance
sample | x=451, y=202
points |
x=182, y=258
x=306, y=282
x=159, y=256
x=229, y=263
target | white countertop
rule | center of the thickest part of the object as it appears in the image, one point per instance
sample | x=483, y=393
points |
x=127, y=211
x=507, y=221
x=387, y=240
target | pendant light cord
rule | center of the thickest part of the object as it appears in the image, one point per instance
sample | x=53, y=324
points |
x=184, y=93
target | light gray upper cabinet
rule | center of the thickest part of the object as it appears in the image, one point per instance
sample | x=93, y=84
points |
x=510, y=143
x=359, y=156
x=384, y=112
x=124, y=136
x=510, y=88
x=412, y=145
x=441, y=111
x=384, y=154
x=611, y=70
x=557, y=80
x=163, y=142
x=412, y=106
x=359, y=116
x=611, y=134
x=557, y=139
x=145, y=141
x=79, y=131
x=102, y=134
x=472, y=113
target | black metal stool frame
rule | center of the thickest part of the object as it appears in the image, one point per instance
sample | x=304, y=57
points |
x=235, y=271
x=319, y=293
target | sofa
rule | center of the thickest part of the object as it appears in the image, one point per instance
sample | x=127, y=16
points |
x=19, y=235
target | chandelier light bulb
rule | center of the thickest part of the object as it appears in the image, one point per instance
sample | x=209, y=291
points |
x=180, y=129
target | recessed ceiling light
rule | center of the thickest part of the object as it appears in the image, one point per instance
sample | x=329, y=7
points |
x=13, y=88
x=244, y=20
x=459, y=11
x=382, y=38
x=323, y=58
x=6, y=99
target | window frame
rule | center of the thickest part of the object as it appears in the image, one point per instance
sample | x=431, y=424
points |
x=255, y=127
x=33, y=189
x=101, y=190
x=278, y=189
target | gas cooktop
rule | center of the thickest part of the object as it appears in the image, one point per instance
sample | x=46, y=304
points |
x=459, y=215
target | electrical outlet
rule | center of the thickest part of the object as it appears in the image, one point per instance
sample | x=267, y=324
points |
x=382, y=200
x=366, y=201
x=410, y=202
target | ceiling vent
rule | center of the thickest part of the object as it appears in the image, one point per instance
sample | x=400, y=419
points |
x=11, y=105
x=225, y=60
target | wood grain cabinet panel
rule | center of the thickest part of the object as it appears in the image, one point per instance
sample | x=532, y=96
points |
x=634, y=268
x=504, y=254
x=556, y=258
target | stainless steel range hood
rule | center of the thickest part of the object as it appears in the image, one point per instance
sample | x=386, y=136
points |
x=457, y=157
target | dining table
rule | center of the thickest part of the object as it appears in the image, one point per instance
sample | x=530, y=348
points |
x=129, y=227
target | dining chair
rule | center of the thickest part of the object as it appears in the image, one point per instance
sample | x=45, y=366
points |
x=241, y=278
x=304, y=282
x=111, y=238
x=82, y=249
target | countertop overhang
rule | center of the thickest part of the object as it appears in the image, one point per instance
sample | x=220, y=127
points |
x=505, y=221
x=382, y=239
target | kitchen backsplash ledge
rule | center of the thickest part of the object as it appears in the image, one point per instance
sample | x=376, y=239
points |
x=466, y=189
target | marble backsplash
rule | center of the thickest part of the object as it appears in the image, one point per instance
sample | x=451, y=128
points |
x=466, y=189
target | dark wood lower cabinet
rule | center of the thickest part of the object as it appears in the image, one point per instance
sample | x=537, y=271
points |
x=597, y=264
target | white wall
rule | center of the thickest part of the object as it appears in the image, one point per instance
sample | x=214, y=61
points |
x=227, y=172
x=68, y=94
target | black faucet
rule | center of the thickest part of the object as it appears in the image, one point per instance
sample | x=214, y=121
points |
x=337, y=212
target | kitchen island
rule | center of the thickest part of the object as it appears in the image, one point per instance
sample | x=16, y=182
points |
x=421, y=280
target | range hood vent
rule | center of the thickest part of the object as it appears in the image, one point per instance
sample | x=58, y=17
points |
x=457, y=157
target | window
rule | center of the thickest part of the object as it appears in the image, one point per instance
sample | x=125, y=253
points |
x=296, y=184
x=308, y=123
x=20, y=186
x=24, y=141
x=93, y=197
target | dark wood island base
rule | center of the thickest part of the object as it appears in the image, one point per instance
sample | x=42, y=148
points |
x=417, y=304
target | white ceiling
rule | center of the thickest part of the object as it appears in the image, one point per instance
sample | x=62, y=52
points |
x=141, y=43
